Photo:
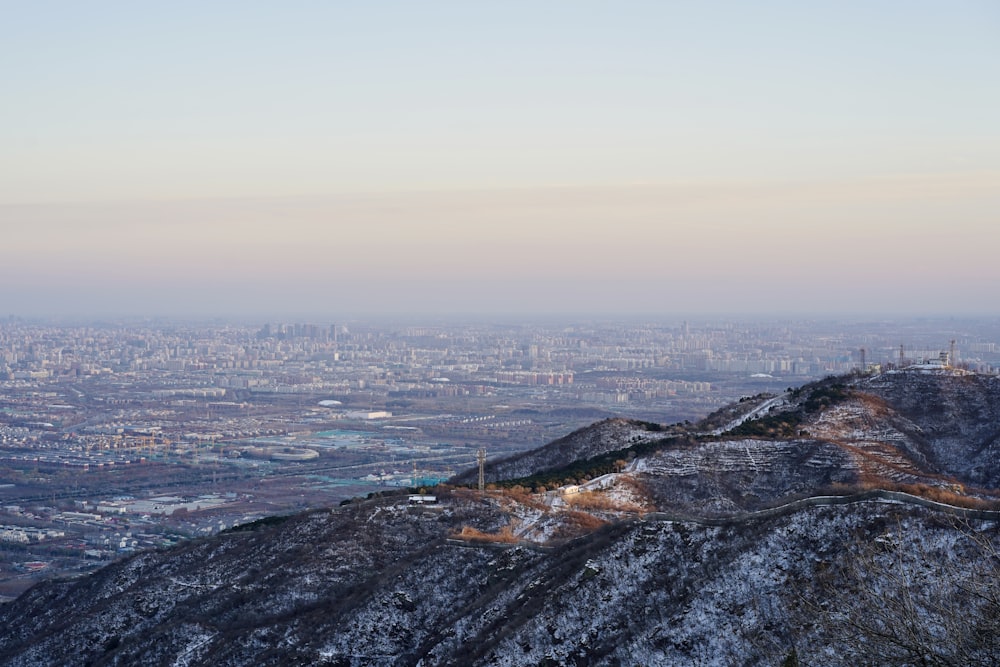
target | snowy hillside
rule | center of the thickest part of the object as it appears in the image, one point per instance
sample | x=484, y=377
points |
x=848, y=522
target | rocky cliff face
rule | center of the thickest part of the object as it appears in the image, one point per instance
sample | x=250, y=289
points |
x=691, y=554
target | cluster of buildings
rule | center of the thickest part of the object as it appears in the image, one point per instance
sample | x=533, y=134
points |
x=570, y=363
x=245, y=419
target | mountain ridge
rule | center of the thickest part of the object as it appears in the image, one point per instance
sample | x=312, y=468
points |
x=708, y=546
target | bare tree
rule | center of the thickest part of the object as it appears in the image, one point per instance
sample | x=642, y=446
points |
x=897, y=600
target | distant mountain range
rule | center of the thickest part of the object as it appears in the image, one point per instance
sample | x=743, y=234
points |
x=851, y=521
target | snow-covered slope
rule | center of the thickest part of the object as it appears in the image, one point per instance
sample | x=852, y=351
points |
x=672, y=560
x=633, y=593
x=601, y=438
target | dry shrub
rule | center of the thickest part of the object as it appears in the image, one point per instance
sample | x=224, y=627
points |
x=583, y=521
x=952, y=494
x=525, y=497
x=638, y=489
x=503, y=536
x=946, y=496
x=939, y=494
x=600, y=501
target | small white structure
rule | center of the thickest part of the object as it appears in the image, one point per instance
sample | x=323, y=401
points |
x=366, y=415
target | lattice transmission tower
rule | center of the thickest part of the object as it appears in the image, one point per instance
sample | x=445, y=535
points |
x=481, y=458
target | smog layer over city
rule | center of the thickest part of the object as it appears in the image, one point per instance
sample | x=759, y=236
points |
x=533, y=280
x=124, y=436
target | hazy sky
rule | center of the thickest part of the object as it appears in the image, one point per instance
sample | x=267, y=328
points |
x=327, y=158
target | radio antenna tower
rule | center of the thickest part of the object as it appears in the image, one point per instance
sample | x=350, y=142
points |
x=481, y=458
x=951, y=354
x=900, y=355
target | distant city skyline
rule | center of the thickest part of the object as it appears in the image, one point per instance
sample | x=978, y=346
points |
x=317, y=160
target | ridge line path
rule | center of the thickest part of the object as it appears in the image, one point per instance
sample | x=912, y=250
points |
x=753, y=414
x=875, y=495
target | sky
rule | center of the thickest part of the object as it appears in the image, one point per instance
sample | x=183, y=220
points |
x=321, y=159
